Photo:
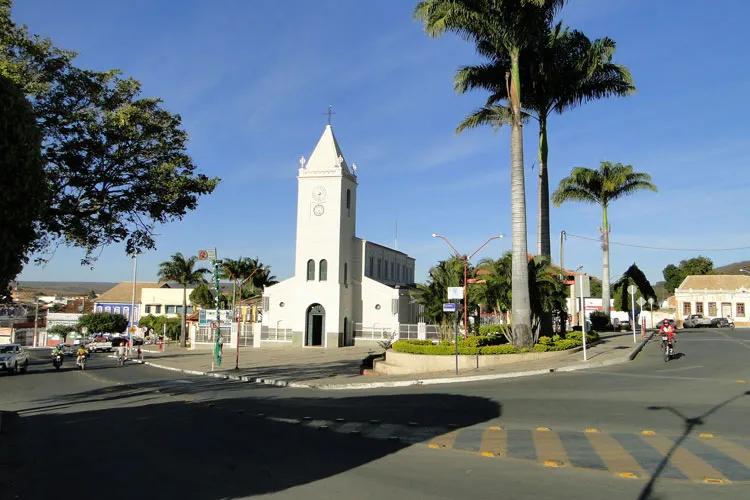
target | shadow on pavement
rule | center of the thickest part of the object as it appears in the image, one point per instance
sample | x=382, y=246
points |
x=219, y=448
x=689, y=425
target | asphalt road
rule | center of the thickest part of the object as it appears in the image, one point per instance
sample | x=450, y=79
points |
x=136, y=431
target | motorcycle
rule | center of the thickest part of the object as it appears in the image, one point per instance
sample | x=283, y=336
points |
x=668, y=346
x=57, y=360
x=81, y=362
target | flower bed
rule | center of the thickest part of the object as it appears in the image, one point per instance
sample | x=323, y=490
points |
x=491, y=345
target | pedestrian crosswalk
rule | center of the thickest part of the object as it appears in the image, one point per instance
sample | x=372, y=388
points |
x=701, y=458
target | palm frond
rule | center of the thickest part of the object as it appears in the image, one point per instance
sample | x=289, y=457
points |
x=495, y=116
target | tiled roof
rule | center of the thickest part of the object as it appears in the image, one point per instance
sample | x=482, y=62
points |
x=74, y=306
x=123, y=292
x=715, y=282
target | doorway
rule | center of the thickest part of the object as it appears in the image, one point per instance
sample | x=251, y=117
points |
x=316, y=320
x=726, y=309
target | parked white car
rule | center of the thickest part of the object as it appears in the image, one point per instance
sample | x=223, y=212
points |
x=13, y=358
x=696, y=321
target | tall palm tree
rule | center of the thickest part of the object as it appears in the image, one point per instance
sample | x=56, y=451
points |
x=601, y=187
x=182, y=270
x=561, y=70
x=501, y=27
x=246, y=267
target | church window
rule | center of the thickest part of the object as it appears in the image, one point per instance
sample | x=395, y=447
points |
x=346, y=273
x=398, y=272
x=391, y=270
x=380, y=267
x=372, y=260
x=310, y=270
x=349, y=201
x=323, y=274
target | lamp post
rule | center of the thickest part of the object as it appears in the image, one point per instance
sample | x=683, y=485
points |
x=239, y=285
x=465, y=260
x=131, y=326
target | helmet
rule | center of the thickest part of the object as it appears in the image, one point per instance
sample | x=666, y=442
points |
x=666, y=321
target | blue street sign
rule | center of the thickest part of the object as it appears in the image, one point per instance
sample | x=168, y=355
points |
x=449, y=307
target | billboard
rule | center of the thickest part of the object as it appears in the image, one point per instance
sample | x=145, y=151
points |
x=208, y=316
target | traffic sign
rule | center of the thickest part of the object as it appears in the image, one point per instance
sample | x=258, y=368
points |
x=132, y=329
x=640, y=301
x=632, y=289
x=455, y=292
x=449, y=307
x=214, y=324
x=208, y=254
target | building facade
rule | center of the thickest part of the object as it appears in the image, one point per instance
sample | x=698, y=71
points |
x=342, y=284
x=714, y=296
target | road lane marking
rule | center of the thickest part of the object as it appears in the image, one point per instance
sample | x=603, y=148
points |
x=580, y=451
x=689, y=464
x=738, y=469
x=549, y=448
x=469, y=440
x=444, y=440
x=648, y=458
x=494, y=442
x=680, y=369
x=614, y=456
x=736, y=341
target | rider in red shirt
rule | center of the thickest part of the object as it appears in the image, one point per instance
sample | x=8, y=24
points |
x=668, y=330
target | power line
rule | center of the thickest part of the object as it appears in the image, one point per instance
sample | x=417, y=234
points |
x=661, y=248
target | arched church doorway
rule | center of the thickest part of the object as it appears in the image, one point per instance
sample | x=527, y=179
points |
x=316, y=320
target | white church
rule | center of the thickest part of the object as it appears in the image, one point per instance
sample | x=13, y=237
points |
x=343, y=286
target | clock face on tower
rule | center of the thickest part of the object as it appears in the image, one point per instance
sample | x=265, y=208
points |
x=319, y=193
x=318, y=210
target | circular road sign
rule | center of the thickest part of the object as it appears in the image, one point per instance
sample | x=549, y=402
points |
x=632, y=289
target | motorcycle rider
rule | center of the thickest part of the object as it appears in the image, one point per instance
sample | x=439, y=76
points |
x=667, y=329
x=81, y=354
x=57, y=351
x=121, y=352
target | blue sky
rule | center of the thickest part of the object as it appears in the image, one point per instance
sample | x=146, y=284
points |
x=253, y=79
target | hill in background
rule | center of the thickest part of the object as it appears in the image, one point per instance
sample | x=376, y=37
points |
x=28, y=289
x=733, y=268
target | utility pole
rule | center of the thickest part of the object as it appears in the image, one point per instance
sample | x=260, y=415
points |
x=217, y=347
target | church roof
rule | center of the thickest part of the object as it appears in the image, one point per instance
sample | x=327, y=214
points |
x=327, y=154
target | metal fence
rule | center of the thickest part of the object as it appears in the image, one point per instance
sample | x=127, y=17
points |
x=207, y=335
x=406, y=331
x=277, y=334
x=246, y=331
x=373, y=332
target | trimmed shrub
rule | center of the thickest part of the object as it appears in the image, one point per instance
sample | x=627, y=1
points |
x=599, y=320
x=499, y=349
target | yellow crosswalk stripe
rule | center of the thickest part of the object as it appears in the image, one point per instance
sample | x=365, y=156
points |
x=444, y=440
x=614, y=456
x=730, y=449
x=494, y=442
x=690, y=465
x=549, y=449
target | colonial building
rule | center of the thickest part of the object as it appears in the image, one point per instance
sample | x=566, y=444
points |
x=343, y=286
x=714, y=296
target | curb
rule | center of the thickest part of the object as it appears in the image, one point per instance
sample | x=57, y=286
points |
x=640, y=347
x=406, y=383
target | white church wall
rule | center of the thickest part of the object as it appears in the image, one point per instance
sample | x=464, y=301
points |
x=387, y=265
x=377, y=305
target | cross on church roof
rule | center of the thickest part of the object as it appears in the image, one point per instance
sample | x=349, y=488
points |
x=329, y=113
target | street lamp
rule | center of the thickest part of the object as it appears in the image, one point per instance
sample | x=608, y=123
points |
x=465, y=260
x=131, y=327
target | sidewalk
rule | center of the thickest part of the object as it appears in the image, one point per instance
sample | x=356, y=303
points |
x=340, y=368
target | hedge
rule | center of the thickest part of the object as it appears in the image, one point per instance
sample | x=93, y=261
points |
x=483, y=345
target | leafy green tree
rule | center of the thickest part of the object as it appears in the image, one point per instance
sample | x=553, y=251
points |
x=633, y=276
x=23, y=191
x=432, y=294
x=675, y=275
x=559, y=71
x=115, y=163
x=182, y=270
x=61, y=330
x=92, y=294
x=203, y=297
x=502, y=27
x=610, y=182
x=103, y=322
x=697, y=266
x=156, y=325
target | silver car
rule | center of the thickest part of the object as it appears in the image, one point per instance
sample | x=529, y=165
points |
x=13, y=358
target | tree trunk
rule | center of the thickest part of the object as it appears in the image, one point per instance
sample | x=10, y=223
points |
x=183, y=323
x=521, y=307
x=605, y=261
x=543, y=246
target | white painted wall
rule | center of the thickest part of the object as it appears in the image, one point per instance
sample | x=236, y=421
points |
x=163, y=297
